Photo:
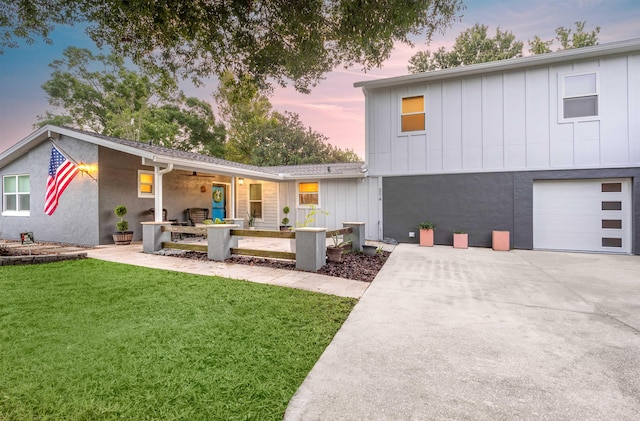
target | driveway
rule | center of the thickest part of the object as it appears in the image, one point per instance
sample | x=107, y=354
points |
x=476, y=334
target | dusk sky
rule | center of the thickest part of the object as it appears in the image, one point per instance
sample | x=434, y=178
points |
x=334, y=108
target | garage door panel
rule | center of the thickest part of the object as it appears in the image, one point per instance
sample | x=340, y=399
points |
x=569, y=215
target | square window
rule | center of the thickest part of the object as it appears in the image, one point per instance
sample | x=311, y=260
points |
x=145, y=184
x=579, y=96
x=412, y=118
x=16, y=195
x=308, y=193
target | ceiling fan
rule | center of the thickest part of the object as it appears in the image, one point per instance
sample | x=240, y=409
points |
x=195, y=174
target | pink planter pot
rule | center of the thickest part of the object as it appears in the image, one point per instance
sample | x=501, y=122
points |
x=426, y=238
x=461, y=241
x=500, y=240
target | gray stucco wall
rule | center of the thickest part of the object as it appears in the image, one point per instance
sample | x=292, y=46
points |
x=118, y=175
x=74, y=221
x=480, y=203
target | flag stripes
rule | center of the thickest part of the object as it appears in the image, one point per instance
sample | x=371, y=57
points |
x=61, y=172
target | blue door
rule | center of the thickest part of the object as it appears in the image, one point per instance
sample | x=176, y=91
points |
x=218, y=203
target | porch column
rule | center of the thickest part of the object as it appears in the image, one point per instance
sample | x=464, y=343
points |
x=153, y=236
x=220, y=241
x=232, y=193
x=357, y=234
x=157, y=180
x=311, y=248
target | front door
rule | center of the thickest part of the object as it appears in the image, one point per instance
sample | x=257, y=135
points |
x=218, y=203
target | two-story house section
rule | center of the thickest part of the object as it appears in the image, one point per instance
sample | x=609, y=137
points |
x=546, y=147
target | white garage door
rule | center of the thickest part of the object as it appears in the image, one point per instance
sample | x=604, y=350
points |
x=582, y=215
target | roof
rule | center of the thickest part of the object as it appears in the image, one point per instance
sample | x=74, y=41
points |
x=613, y=48
x=190, y=161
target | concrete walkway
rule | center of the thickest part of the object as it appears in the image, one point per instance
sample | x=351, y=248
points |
x=133, y=255
x=448, y=334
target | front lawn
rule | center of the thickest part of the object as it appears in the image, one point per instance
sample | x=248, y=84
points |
x=90, y=339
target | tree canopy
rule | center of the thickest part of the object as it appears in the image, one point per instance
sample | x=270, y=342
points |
x=258, y=135
x=99, y=93
x=285, y=41
x=475, y=46
x=472, y=46
x=568, y=39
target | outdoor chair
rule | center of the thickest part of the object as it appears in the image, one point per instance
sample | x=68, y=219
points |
x=196, y=215
x=174, y=235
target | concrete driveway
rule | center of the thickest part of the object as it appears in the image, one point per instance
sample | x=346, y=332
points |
x=476, y=334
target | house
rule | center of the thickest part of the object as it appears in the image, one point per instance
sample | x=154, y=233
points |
x=145, y=177
x=546, y=147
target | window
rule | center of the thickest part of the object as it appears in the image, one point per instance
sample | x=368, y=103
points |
x=255, y=200
x=16, y=195
x=579, y=96
x=308, y=193
x=412, y=118
x=145, y=184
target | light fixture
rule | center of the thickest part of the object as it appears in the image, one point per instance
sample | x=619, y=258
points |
x=241, y=181
x=203, y=189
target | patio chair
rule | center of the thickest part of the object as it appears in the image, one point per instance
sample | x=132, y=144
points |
x=174, y=235
x=196, y=215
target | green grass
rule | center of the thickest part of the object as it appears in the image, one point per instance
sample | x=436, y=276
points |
x=88, y=339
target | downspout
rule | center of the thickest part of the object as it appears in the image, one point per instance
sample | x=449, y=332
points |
x=158, y=173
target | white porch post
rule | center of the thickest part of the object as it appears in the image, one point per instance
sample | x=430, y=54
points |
x=158, y=173
x=232, y=193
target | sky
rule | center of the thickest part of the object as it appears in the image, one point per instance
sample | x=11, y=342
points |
x=334, y=107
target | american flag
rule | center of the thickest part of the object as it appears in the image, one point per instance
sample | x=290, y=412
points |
x=61, y=172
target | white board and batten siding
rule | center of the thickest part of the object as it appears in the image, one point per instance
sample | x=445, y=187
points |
x=341, y=200
x=508, y=121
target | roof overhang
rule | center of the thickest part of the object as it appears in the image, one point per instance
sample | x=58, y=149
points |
x=614, y=48
x=154, y=159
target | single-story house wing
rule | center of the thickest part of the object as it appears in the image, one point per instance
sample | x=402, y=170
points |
x=146, y=177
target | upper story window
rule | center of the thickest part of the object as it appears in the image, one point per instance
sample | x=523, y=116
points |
x=412, y=118
x=579, y=96
x=16, y=195
x=255, y=200
x=308, y=193
x=145, y=184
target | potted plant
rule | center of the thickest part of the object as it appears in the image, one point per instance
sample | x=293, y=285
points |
x=122, y=236
x=285, y=221
x=334, y=252
x=252, y=220
x=426, y=233
x=460, y=239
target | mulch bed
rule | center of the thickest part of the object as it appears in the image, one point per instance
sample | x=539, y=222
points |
x=355, y=266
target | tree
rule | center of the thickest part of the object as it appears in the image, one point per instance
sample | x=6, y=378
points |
x=568, y=39
x=287, y=41
x=472, y=46
x=98, y=93
x=288, y=142
x=245, y=111
x=538, y=46
x=258, y=135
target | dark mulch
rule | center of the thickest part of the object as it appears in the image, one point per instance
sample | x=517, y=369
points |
x=355, y=266
x=41, y=248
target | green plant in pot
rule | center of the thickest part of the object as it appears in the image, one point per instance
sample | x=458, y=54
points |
x=285, y=221
x=334, y=252
x=122, y=236
x=251, y=219
x=426, y=233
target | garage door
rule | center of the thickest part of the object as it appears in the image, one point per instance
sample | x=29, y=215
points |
x=582, y=215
